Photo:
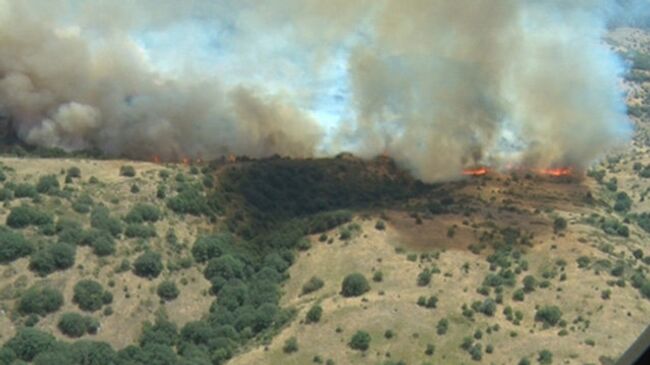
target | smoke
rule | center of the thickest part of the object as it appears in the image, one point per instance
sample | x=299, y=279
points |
x=439, y=85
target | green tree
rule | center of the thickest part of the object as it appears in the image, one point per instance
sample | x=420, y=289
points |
x=167, y=290
x=13, y=246
x=148, y=265
x=72, y=324
x=40, y=300
x=90, y=296
x=354, y=285
x=360, y=341
x=48, y=184
x=29, y=342
x=23, y=216
x=549, y=315
x=314, y=314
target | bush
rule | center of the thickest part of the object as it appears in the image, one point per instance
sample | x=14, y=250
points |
x=360, y=341
x=378, y=276
x=25, y=190
x=23, y=216
x=148, y=265
x=143, y=213
x=6, y=195
x=74, y=172
x=48, y=185
x=134, y=230
x=314, y=314
x=424, y=278
x=72, y=325
x=40, y=300
x=529, y=283
x=312, y=285
x=545, y=357
x=290, y=345
x=549, y=315
x=167, y=290
x=101, y=242
x=442, y=326
x=354, y=285
x=13, y=246
x=29, y=342
x=623, y=202
x=127, y=170
x=100, y=219
x=559, y=224
x=189, y=201
x=206, y=248
x=55, y=256
x=90, y=296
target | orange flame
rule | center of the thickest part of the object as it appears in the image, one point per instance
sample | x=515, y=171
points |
x=557, y=172
x=476, y=172
x=186, y=161
x=231, y=158
x=155, y=159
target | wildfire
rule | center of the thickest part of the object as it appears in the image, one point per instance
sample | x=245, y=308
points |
x=155, y=159
x=557, y=172
x=186, y=161
x=480, y=171
x=231, y=158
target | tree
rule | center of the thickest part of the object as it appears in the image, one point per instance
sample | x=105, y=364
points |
x=442, y=326
x=40, y=300
x=29, y=342
x=226, y=266
x=90, y=296
x=48, y=184
x=424, y=278
x=74, y=172
x=529, y=283
x=72, y=325
x=360, y=341
x=545, y=357
x=549, y=315
x=13, y=246
x=290, y=345
x=148, y=265
x=209, y=247
x=167, y=290
x=23, y=216
x=354, y=285
x=314, y=314
x=142, y=212
x=127, y=170
x=312, y=285
x=55, y=256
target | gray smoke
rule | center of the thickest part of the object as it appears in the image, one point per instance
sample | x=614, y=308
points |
x=439, y=85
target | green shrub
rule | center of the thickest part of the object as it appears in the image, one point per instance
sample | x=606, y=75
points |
x=74, y=172
x=29, y=342
x=72, y=325
x=6, y=195
x=442, y=326
x=312, y=285
x=23, y=216
x=226, y=267
x=40, y=300
x=360, y=341
x=549, y=315
x=189, y=201
x=90, y=296
x=314, y=314
x=354, y=285
x=545, y=357
x=142, y=212
x=13, y=246
x=424, y=277
x=48, y=184
x=378, y=276
x=583, y=261
x=25, y=190
x=148, y=265
x=529, y=283
x=55, y=256
x=100, y=219
x=168, y=291
x=101, y=242
x=209, y=247
x=559, y=224
x=127, y=170
x=623, y=202
x=135, y=230
x=290, y=345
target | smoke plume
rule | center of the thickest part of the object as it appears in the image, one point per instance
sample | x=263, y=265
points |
x=439, y=85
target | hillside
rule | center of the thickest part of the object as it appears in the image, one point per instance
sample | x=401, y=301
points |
x=243, y=261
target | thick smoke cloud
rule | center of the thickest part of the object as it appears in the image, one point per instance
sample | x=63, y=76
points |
x=438, y=85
